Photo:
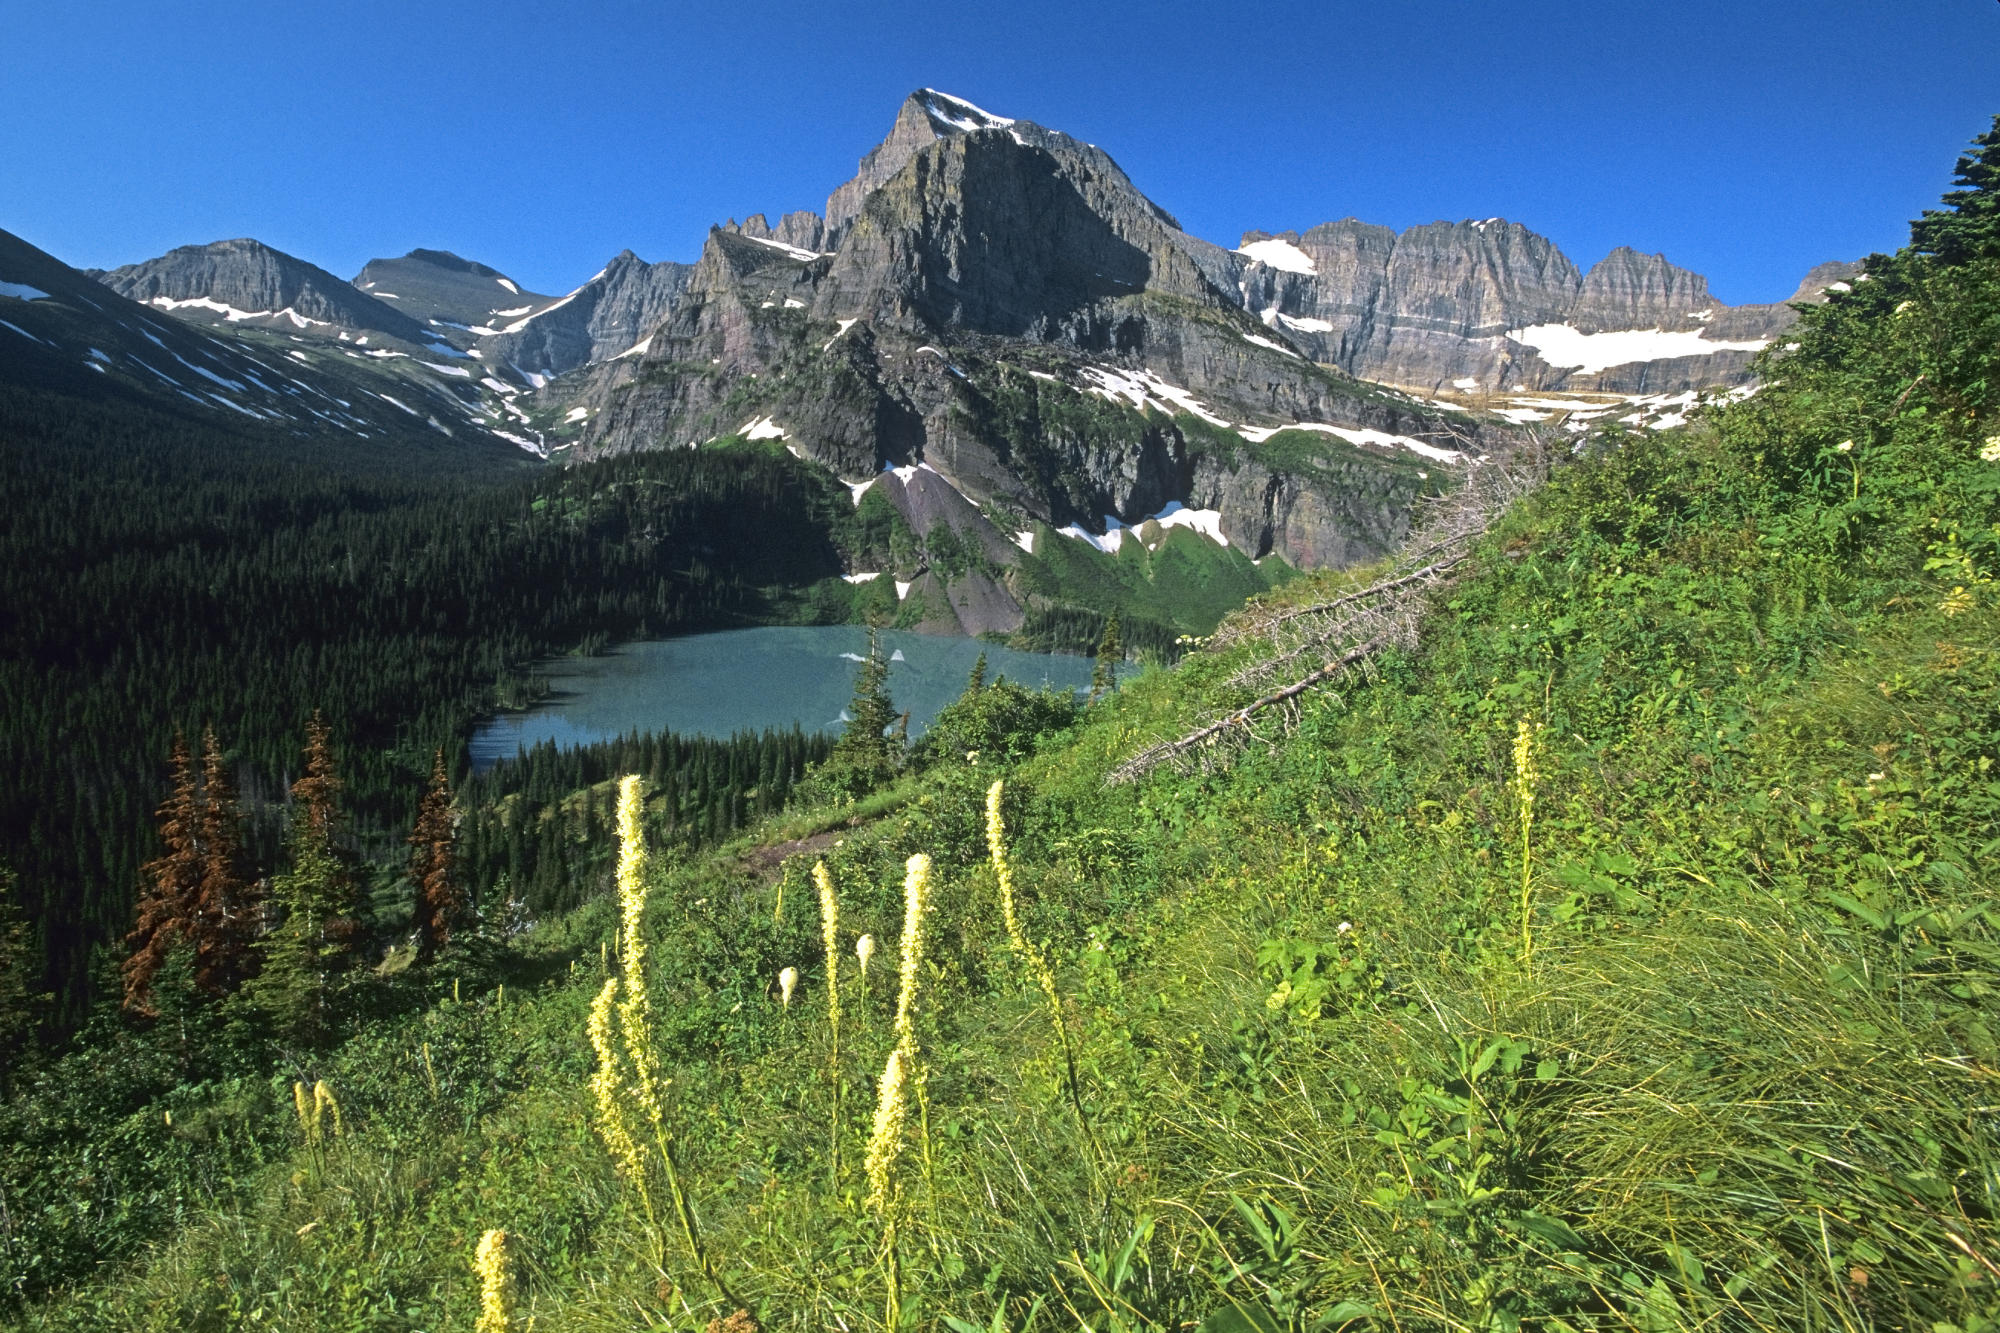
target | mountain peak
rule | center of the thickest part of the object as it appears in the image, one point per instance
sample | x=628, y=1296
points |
x=243, y=279
x=955, y=115
x=445, y=259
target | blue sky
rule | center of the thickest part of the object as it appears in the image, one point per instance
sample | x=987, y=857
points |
x=1746, y=140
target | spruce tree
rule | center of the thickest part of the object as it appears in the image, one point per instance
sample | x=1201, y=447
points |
x=1971, y=229
x=871, y=712
x=226, y=912
x=318, y=896
x=1110, y=652
x=170, y=887
x=977, y=682
x=865, y=756
x=434, y=867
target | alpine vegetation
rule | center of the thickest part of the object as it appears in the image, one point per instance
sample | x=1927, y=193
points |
x=1573, y=912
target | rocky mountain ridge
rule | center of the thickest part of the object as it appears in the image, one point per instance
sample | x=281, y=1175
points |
x=997, y=303
x=997, y=306
x=1485, y=307
x=247, y=282
x=66, y=331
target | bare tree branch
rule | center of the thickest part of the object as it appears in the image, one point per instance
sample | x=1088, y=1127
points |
x=1346, y=632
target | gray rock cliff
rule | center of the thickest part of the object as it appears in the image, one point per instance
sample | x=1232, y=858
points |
x=248, y=282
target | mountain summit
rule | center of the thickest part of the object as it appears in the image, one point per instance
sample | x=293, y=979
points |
x=247, y=282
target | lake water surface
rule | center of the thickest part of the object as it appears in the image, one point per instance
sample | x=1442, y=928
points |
x=750, y=679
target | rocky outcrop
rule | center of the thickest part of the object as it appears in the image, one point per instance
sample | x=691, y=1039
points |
x=802, y=230
x=447, y=293
x=1486, y=306
x=998, y=300
x=610, y=316
x=74, y=334
x=248, y=282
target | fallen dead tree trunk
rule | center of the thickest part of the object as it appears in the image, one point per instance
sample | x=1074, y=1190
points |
x=1346, y=632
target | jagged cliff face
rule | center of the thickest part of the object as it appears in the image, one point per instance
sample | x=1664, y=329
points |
x=1480, y=307
x=247, y=282
x=1000, y=303
x=610, y=316
x=523, y=336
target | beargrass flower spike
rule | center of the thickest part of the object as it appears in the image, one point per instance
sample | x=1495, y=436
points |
x=494, y=1262
x=829, y=930
x=323, y=1100
x=607, y=1090
x=635, y=1027
x=885, y=1144
x=1038, y=966
x=916, y=902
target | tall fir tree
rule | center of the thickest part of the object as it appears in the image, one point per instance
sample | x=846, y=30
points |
x=226, y=912
x=170, y=886
x=1970, y=228
x=319, y=897
x=977, y=681
x=440, y=898
x=865, y=756
x=1110, y=652
x=871, y=712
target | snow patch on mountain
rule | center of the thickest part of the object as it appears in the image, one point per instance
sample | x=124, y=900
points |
x=1279, y=254
x=959, y=113
x=1354, y=435
x=1569, y=348
x=1276, y=347
x=1143, y=389
x=799, y=253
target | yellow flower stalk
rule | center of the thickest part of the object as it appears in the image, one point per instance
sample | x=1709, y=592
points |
x=864, y=951
x=829, y=930
x=916, y=902
x=1038, y=966
x=607, y=1088
x=1524, y=788
x=885, y=1142
x=494, y=1263
x=634, y=1016
x=303, y=1104
x=829, y=934
x=916, y=906
x=788, y=981
x=323, y=1100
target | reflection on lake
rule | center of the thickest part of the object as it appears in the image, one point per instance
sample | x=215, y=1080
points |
x=750, y=679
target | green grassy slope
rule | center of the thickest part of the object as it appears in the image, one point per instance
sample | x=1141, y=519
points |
x=1729, y=1061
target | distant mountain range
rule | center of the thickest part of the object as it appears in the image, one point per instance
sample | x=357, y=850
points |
x=987, y=299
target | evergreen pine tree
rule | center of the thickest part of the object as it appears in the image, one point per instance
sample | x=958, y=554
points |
x=225, y=915
x=977, y=682
x=171, y=884
x=434, y=870
x=871, y=712
x=20, y=996
x=1110, y=652
x=865, y=756
x=318, y=895
x=1971, y=229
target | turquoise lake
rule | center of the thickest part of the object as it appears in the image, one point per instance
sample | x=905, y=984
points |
x=750, y=679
